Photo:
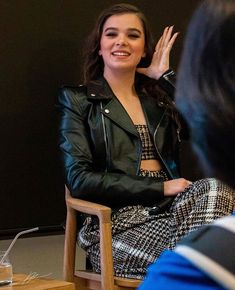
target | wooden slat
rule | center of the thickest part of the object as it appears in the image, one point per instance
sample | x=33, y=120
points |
x=123, y=282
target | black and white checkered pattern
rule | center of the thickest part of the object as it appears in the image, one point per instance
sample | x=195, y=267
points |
x=139, y=238
x=148, y=149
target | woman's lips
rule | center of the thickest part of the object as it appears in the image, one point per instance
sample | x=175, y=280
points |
x=120, y=53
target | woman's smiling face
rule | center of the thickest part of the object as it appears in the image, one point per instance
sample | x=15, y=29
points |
x=122, y=42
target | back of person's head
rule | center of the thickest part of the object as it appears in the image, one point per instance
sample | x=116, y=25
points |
x=206, y=86
x=93, y=62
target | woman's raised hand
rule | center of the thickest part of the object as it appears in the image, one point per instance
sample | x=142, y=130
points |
x=175, y=186
x=161, y=56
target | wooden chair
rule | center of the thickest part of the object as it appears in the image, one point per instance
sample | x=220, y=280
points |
x=85, y=279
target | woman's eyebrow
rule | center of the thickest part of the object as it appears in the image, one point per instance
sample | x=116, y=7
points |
x=129, y=29
x=110, y=28
x=134, y=30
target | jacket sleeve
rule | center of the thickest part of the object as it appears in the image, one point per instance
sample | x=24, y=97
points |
x=168, y=83
x=111, y=189
x=172, y=271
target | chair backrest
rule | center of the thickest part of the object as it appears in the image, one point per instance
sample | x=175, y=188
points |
x=105, y=280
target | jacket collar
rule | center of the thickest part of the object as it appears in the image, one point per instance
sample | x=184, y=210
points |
x=100, y=90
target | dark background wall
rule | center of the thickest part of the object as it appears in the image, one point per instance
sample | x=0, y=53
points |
x=40, y=49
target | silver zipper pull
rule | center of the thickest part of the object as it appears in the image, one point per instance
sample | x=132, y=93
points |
x=178, y=134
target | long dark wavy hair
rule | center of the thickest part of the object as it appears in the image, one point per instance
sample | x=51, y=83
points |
x=93, y=62
x=206, y=86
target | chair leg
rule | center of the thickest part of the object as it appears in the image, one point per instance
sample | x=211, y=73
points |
x=106, y=256
x=70, y=245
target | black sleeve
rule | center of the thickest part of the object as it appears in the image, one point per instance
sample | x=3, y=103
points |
x=167, y=82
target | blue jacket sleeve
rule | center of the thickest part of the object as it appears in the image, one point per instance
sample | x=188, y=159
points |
x=174, y=272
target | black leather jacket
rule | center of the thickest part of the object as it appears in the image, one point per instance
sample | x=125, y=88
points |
x=101, y=149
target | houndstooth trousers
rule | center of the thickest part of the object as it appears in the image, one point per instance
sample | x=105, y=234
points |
x=139, y=238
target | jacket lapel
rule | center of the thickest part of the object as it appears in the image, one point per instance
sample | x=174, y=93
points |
x=153, y=112
x=111, y=107
x=115, y=111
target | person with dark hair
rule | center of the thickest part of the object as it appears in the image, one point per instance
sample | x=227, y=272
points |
x=210, y=87
x=205, y=95
x=119, y=136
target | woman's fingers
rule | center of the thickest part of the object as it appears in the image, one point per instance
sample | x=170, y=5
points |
x=166, y=36
x=158, y=45
x=172, y=41
x=167, y=39
x=175, y=186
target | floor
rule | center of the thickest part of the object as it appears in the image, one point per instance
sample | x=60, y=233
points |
x=42, y=255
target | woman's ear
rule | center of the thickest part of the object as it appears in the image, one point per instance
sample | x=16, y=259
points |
x=144, y=54
x=100, y=52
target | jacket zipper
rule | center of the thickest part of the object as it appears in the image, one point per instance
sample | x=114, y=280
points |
x=105, y=137
x=139, y=156
x=154, y=135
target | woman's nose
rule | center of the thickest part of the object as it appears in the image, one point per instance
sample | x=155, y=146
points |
x=122, y=40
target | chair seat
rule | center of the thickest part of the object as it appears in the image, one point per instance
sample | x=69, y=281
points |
x=124, y=282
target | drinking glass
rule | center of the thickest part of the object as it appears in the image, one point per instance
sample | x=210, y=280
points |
x=5, y=270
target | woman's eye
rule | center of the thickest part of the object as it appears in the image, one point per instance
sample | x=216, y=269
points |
x=134, y=36
x=111, y=34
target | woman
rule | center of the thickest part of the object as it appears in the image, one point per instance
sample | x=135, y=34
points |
x=119, y=136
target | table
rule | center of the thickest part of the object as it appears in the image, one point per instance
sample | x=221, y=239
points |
x=37, y=284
